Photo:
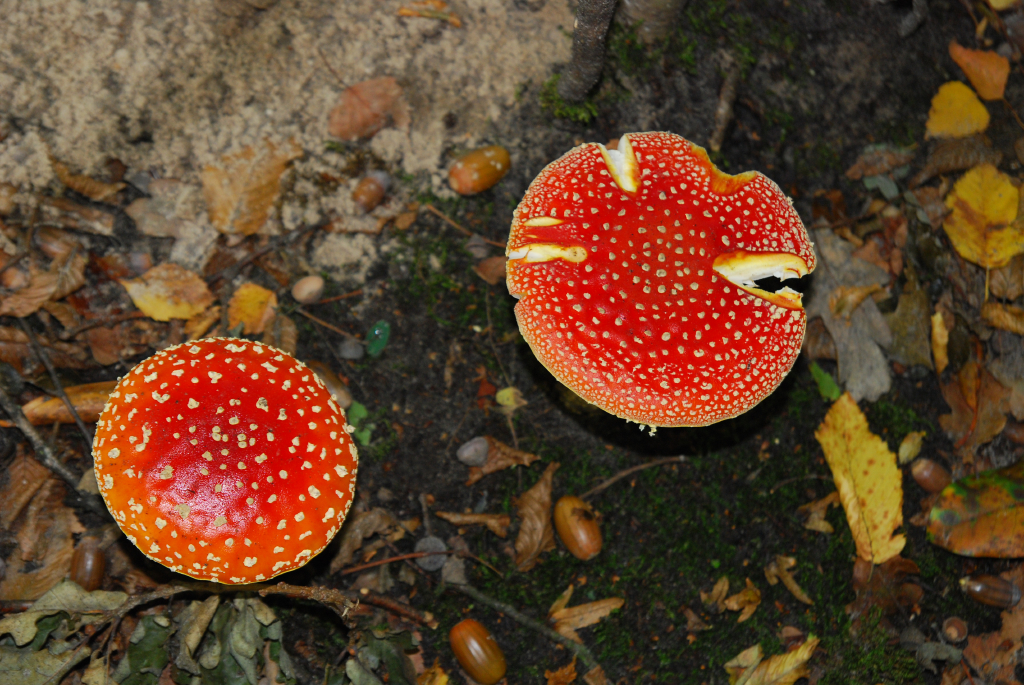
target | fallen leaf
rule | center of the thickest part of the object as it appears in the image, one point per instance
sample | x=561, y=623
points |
x=878, y=159
x=88, y=400
x=563, y=676
x=510, y=399
x=66, y=596
x=933, y=210
x=1004, y=316
x=567, y=621
x=64, y=212
x=743, y=664
x=366, y=108
x=985, y=69
x=816, y=512
x=536, y=534
x=85, y=185
x=1007, y=282
x=982, y=224
x=745, y=601
x=562, y=601
x=845, y=299
x=252, y=306
x=693, y=621
x=496, y=523
x=716, y=598
x=356, y=528
x=998, y=653
x=25, y=476
x=910, y=447
x=28, y=300
x=499, y=456
x=956, y=112
x=16, y=351
x=241, y=191
x=869, y=484
x=168, y=291
x=430, y=9
x=283, y=334
x=981, y=516
x=778, y=569
x=197, y=326
x=880, y=586
x=491, y=269
x=955, y=154
x=779, y=669
x=911, y=327
x=940, y=342
x=979, y=403
x=434, y=675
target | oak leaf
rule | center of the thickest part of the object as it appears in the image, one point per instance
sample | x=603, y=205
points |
x=979, y=403
x=168, y=291
x=956, y=112
x=241, y=190
x=536, y=534
x=869, y=484
x=986, y=70
x=982, y=224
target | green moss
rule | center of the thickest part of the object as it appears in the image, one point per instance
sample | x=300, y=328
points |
x=893, y=420
x=868, y=658
x=552, y=102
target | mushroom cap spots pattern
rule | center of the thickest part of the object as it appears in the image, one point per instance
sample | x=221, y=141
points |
x=636, y=275
x=225, y=460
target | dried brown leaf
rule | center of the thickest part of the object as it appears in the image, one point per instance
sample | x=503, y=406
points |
x=499, y=456
x=197, y=326
x=745, y=601
x=168, y=291
x=716, y=598
x=241, y=191
x=816, y=512
x=563, y=676
x=107, y=344
x=536, y=534
x=496, y=523
x=979, y=404
x=693, y=621
x=358, y=527
x=778, y=569
x=25, y=475
x=562, y=601
x=491, y=269
x=879, y=586
x=69, y=214
x=16, y=351
x=1004, y=316
x=85, y=185
x=87, y=399
x=878, y=161
x=845, y=299
x=21, y=303
x=366, y=108
x=567, y=621
x=1007, y=282
x=956, y=154
x=283, y=334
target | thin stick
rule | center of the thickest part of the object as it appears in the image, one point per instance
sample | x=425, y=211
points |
x=400, y=557
x=576, y=648
x=13, y=261
x=341, y=601
x=633, y=469
x=45, y=358
x=1013, y=111
x=795, y=479
x=323, y=323
x=354, y=293
x=465, y=231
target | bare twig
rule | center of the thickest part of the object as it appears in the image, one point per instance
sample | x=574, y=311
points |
x=576, y=648
x=323, y=323
x=631, y=470
x=58, y=386
x=588, y=37
x=444, y=217
x=726, y=100
x=354, y=293
x=341, y=601
x=381, y=562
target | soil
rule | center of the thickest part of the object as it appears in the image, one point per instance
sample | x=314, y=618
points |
x=168, y=88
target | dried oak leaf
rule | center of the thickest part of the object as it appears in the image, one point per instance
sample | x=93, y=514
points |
x=745, y=601
x=242, y=189
x=956, y=112
x=536, y=534
x=168, y=291
x=869, y=484
x=567, y=620
x=85, y=185
x=253, y=306
x=985, y=69
x=367, y=107
x=499, y=456
x=982, y=224
x=979, y=405
x=496, y=523
x=107, y=344
x=816, y=511
x=88, y=400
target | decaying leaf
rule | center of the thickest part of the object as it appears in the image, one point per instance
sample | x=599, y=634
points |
x=499, y=456
x=882, y=586
x=367, y=107
x=953, y=154
x=956, y=112
x=816, y=511
x=496, y=523
x=85, y=185
x=430, y=9
x=750, y=668
x=981, y=224
x=716, y=598
x=567, y=620
x=778, y=569
x=491, y=269
x=168, y=292
x=66, y=596
x=434, y=675
x=1004, y=316
x=910, y=447
x=940, y=342
x=693, y=621
x=869, y=484
x=562, y=601
x=979, y=405
x=283, y=334
x=357, y=527
x=536, y=534
x=197, y=326
x=564, y=675
x=242, y=189
x=87, y=399
x=985, y=69
x=878, y=159
x=981, y=516
x=25, y=476
x=846, y=298
x=745, y=601
x=253, y=306
x=28, y=300
x=509, y=400
x=1007, y=281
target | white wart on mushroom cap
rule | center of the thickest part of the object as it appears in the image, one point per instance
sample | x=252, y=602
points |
x=636, y=271
x=225, y=460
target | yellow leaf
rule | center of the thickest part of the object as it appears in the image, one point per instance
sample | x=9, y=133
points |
x=168, y=292
x=434, y=675
x=999, y=5
x=562, y=601
x=567, y=620
x=1004, y=316
x=745, y=601
x=242, y=189
x=869, y=484
x=781, y=669
x=563, y=676
x=940, y=342
x=910, y=447
x=252, y=306
x=744, y=662
x=986, y=70
x=982, y=224
x=956, y=112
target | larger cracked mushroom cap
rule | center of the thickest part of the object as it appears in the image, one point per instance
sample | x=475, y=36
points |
x=636, y=271
x=225, y=460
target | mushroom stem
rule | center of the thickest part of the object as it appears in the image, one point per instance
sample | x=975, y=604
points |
x=588, y=37
x=580, y=650
x=342, y=601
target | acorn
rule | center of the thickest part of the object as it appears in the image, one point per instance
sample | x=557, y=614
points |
x=88, y=564
x=578, y=527
x=308, y=289
x=478, y=653
x=370, y=191
x=334, y=385
x=931, y=476
x=954, y=629
x=991, y=590
x=476, y=171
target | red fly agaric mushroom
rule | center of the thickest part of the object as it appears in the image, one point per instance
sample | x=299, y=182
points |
x=636, y=271
x=225, y=460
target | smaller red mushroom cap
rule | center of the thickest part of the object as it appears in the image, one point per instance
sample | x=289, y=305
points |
x=637, y=274
x=225, y=460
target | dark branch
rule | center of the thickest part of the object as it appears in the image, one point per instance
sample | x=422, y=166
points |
x=589, y=32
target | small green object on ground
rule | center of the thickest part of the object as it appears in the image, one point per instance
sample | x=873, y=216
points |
x=827, y=385
x=377, y=338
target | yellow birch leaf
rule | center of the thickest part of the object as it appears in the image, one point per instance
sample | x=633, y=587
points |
x=253, y=306
x=982, y=224
x=986, y=70
x=168, y=292
x=782, y=669
x=869, y=484
x=956, y=112
x=242, y=189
